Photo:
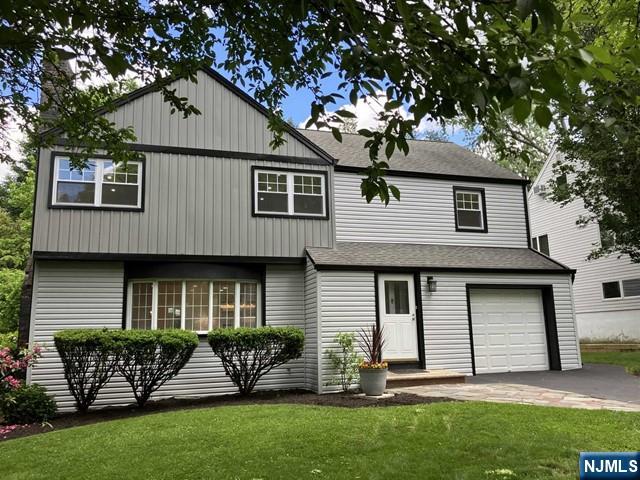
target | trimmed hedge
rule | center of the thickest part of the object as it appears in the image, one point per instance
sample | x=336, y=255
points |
x=249, y=353
x=147, y=359
x=150, y=358
x=89, y=358
x=27, y=404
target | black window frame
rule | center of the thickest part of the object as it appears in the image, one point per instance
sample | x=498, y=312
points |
x=481, y=191
x=255, y=213
x=69, y=206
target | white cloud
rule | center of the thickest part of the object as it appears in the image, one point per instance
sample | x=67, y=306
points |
x=368, y=111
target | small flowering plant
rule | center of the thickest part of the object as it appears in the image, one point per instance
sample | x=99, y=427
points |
x=13, y=366
x=372, y=342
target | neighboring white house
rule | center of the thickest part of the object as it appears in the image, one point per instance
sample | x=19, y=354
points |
x=606, y=290
x=215, y=229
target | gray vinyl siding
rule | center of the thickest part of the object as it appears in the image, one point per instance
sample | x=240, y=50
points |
x=446, y=321
x=226, y=121
x=425, y=213
x=193, y=206
x=571, y=245
x=347, y=305
x=311, y=326
x=90, y=295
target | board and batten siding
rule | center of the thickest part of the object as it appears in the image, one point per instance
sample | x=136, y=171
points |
x=193, y=205
x=347, y=304
x=90, y=295
x=425, y=213
x=446, y=320
x=226, y=121
x=571, y=245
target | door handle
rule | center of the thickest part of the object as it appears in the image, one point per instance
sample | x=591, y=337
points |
x=413, y=317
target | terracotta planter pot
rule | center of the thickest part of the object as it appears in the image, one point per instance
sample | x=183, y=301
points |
x=373, y=381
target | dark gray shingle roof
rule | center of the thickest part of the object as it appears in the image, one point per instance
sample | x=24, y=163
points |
x=440, y=158
x=369, y=254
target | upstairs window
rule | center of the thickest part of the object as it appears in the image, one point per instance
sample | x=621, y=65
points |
x=470, y=214
x=103, y=183
x=289, y=193
x=541, y=244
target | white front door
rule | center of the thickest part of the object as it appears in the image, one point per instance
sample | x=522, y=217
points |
x=397, y=307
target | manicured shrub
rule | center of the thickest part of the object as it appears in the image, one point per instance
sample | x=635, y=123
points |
x=150, y=358
x=249, y=353
x=90, y=359
x=27, y=404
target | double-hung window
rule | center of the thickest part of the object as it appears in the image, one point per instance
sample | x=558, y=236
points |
x=197, y=305
x=289, y=193
x=102, y=183
x=470, y=212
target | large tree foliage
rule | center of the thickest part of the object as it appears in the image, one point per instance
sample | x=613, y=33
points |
x=522, y=147
x=441, y=59
x=600, y=143
x=601, y=158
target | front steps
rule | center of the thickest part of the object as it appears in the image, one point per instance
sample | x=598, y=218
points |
x=411, y=377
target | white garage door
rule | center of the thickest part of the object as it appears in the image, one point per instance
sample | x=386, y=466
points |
x=508, y=330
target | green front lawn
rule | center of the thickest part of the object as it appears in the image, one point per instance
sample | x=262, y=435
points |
x=444, y=440
x=629, y=360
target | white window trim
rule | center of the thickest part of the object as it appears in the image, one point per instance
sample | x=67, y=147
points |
x=183, y=309
x=98, y=182
x=290, y=193
x=620, y=286
x=612, y=299
x=480, y=209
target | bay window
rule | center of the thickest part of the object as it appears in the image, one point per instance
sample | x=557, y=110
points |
x=197, y=305
x=289, y=193
x=102, y=183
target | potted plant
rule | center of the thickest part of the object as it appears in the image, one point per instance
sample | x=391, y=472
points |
x=373, y=371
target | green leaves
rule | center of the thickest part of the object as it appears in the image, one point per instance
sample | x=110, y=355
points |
x=519, y=86
x=521, y=109
x=472, y=60
x=543, y=115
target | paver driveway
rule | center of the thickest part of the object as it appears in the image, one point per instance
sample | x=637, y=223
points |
x=594, y=387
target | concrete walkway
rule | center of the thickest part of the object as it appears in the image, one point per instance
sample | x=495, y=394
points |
x=518, y=393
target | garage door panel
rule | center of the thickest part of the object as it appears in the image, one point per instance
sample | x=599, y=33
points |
x=508, y=330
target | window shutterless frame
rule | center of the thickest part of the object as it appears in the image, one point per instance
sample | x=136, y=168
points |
x=621, y=290
x=183, y=306
x=290, y=173
x=481, y=203
x=98, y=183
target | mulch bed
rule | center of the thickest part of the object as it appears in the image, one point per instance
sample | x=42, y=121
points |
x=68, y=420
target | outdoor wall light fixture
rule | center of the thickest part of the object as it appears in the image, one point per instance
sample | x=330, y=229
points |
x=432, y=285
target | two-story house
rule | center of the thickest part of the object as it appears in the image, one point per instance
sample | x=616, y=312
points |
x=607, y=289
x=214, y=229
